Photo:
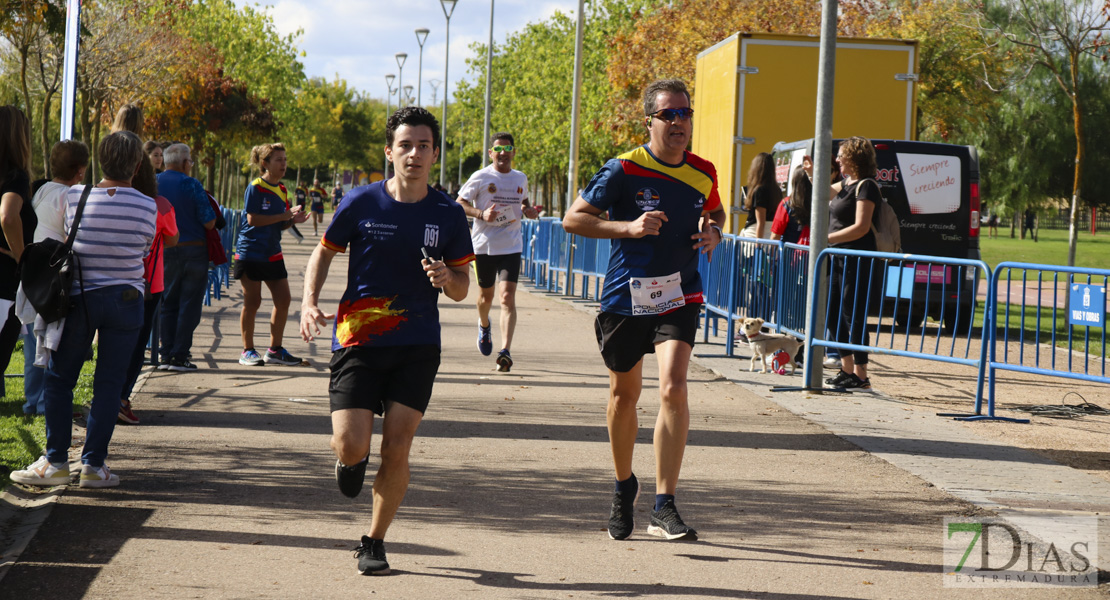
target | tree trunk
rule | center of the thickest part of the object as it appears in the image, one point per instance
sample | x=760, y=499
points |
x=23, y=52
x=45, y=134
x=210, y=181
x=86, y=134
x=1077, y=114
x=96, y=136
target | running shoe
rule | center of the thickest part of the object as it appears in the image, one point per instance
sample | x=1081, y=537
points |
x=350, y=478
x=504, y=361
x=621, y=518
x=371, y=557
x=281, y=356
x=181, y=365
x=251, y=358
x=666, y=523
x=485, y=340
x=98, y=477
x=857, y=384
x=43, y=473
x=832, y=362
x=840, y=379
x=126, y=415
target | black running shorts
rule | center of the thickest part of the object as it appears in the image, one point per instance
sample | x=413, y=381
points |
x=490, y=268
x=260, y=270
x=363, y=377
x=624, y=340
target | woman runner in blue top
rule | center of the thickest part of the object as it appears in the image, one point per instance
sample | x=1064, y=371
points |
x=258, y=254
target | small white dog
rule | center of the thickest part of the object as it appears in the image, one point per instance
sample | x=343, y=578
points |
x=767, y=344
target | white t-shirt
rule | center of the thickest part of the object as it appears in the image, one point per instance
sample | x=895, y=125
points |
x=506, y=192
x=50, y=208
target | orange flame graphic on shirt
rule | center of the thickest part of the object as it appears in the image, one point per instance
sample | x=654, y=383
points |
x=365, y=318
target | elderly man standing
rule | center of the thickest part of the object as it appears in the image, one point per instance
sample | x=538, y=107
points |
x=186, y=264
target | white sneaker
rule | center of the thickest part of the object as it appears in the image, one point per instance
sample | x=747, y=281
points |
x=43, y=473
x=831, y=362
x=93, y=477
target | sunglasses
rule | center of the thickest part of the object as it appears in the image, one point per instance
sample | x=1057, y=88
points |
x=672, y=114
x=502, y=148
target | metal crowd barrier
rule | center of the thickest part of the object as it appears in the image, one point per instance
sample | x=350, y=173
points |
x=1056, y=339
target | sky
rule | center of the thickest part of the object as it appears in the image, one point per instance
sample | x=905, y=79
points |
x=357, y=39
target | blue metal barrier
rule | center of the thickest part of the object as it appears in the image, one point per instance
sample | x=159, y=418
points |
x=904, y=288
x=790, y=294
x=1075, y=305
x=719, y=280
x=558, y=255
x=541, y=252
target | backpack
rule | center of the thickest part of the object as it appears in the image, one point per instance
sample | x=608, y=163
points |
x=46, y=270
x=884, y=223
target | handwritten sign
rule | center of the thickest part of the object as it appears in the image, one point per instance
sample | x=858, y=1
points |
x=932, y=182
x=1087, y=305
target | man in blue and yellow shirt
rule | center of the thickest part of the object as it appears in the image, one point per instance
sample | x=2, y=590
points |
x=663, y=209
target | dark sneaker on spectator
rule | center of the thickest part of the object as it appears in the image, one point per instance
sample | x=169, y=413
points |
x=42, y=473
x=350, y=478
x=621, y=518
x=371, y=557
x=181, y=365
x=666, y=523
x=251, y=358
x=857, y=384
x=126, y=415
x=98, y=477
x=485, y=340
x=504, y=361
x=81, y=417
x=281, y=356
x=840, y=379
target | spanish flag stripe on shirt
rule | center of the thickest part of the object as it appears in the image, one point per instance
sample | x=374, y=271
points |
x=645, y=165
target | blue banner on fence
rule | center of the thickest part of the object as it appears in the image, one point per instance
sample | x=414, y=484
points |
x=1087, y=305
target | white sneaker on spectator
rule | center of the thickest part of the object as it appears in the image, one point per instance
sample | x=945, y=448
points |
x=831, y=362
x=43, y=473
x=98, y=477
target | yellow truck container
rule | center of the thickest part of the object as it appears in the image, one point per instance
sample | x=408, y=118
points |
x=752, y=91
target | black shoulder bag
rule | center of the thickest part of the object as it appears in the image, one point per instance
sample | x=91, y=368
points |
x=46, y=270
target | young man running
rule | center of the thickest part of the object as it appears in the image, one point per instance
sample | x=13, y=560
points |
x=408, y=243
x=497, y=198
x=317, y=194
x=663, y=209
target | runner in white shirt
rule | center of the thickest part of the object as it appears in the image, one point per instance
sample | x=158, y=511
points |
x=497, y=198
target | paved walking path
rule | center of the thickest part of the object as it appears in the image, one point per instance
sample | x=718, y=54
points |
x=227, y=488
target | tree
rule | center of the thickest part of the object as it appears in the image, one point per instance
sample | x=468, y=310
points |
x=1054, y=34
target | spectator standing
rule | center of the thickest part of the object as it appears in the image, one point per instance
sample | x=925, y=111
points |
x=17, y=219
x=186, y=264
x=258, y=255
x=1030, y=224
x=68, y=162
x=153, y=151
x=791, y=223
x=107, y=303
x=763, y=196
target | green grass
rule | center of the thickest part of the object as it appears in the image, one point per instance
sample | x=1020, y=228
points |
x=23, y=437
x=1051, y=248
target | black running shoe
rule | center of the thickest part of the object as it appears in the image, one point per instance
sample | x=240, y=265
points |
x=621, y=517
x=857, y=384
x=371, y=557
x=350, y=478
x=841, y=379
x=666, y=523
x=504, y=361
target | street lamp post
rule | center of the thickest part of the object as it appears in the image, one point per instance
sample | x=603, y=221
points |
x=448, y=8
x=489, y=86
x=408, y=95
x=400, y=56
x=421, y=36
x=435, y=87
x=389, y=88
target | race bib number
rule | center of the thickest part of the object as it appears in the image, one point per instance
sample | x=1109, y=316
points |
x=506, y=214
x=656, y=295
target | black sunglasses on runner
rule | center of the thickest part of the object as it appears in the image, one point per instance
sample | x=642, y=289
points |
x=671, y=114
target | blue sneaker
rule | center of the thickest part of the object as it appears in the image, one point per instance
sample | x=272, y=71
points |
x=281, y=356
x=485, y=340
x=251, y=358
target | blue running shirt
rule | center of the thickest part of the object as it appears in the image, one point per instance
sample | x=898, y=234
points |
x=261, y=244
x=389, y=300
x=637, y=182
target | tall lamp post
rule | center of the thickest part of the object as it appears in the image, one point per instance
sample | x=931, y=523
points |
x=408, y=95
x=400, y=56
x=421, y=36
x=489, y=86
x=435, y=88
x=389, y=87
x=448, y=8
